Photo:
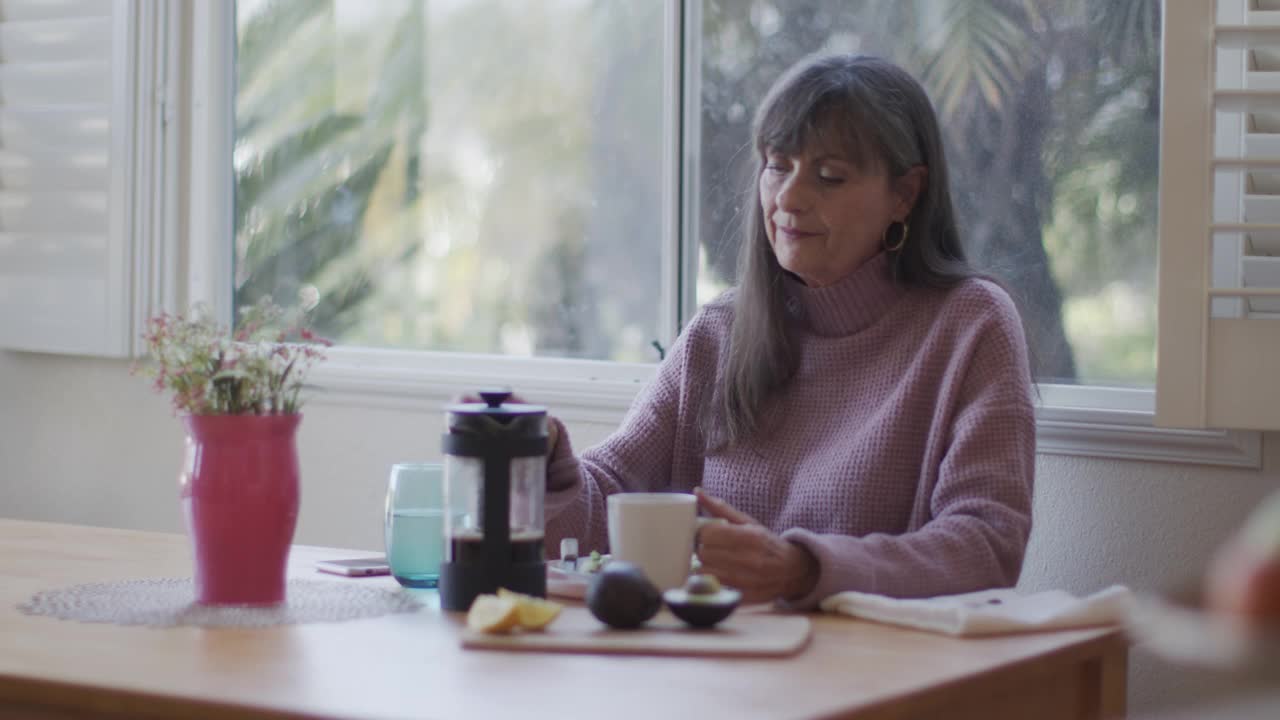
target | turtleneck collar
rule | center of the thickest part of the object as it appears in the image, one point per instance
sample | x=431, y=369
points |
x=847, y=306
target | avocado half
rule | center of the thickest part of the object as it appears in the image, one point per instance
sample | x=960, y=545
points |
x=702, y=610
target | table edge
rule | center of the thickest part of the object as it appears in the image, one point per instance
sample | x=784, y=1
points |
x=1108, y=639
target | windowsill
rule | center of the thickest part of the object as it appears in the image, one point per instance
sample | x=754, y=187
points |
x=579, y=390
x=1119, y=423
x=1080, y=421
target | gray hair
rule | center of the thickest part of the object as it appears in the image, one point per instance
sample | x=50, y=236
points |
x=880, y=117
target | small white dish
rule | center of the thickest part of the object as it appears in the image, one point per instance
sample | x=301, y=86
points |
x=567, y=583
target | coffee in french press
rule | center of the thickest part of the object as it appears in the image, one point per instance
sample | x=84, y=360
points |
x=495, y=486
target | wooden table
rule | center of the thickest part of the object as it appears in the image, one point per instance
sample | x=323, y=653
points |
x=411, y=665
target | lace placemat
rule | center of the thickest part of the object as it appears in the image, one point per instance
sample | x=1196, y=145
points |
x=170, y=602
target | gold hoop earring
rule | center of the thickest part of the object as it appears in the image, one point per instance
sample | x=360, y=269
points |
x=884, y=238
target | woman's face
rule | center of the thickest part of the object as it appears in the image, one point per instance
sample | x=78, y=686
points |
x=824, y=215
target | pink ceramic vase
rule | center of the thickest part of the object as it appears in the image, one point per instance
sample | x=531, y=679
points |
x=239, y=493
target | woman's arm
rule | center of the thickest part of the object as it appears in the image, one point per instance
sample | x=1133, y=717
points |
x=656, y=443
x=980, y=505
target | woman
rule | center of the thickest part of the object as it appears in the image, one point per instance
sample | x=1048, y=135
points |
x=858, y=408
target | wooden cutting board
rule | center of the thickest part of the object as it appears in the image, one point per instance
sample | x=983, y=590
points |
x=576, y=631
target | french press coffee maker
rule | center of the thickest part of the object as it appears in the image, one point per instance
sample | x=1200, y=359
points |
x=495, y=474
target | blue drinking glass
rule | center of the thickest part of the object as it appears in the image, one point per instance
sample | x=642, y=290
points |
x=415, y=523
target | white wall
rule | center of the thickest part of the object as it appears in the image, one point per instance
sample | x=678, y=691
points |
x=82, y=441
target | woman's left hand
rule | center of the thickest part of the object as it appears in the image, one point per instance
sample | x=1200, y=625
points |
x=744, y=554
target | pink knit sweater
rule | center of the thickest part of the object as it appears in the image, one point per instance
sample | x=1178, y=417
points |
x=901, y=454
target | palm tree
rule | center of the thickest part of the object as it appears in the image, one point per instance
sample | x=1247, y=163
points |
x=306, y=172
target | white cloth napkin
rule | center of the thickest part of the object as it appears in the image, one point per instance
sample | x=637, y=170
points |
x=989, y=612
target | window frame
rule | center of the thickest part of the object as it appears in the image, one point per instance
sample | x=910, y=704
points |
x=1077, y=420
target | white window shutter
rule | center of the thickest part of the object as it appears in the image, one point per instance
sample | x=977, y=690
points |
x=67, y=99
x=1218, y=362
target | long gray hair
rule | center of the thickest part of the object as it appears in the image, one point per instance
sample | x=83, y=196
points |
x=881, y=117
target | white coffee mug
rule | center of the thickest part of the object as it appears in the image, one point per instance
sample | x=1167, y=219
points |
x=654, y=531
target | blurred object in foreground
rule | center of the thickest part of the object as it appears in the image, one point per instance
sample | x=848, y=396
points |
x=1226, y=625
x=1244, y=576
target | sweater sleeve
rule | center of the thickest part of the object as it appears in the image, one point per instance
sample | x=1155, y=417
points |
x=980, y=505
x=638, y=457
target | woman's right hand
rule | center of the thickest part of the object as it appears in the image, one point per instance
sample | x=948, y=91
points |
x=554, y=425
x=748, y=556
x=553, y=434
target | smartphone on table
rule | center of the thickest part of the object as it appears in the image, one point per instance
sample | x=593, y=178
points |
x=359, y=567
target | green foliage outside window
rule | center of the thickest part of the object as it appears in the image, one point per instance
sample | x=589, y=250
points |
x=484, y=175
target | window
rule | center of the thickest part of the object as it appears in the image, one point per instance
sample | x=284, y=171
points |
x=585, y=200
x=1050, y=113
x=482, y=176
x=433, y=216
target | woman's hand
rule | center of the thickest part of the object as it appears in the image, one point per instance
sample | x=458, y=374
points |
x=744, y=554
x=553, y=425
x=553, y=435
